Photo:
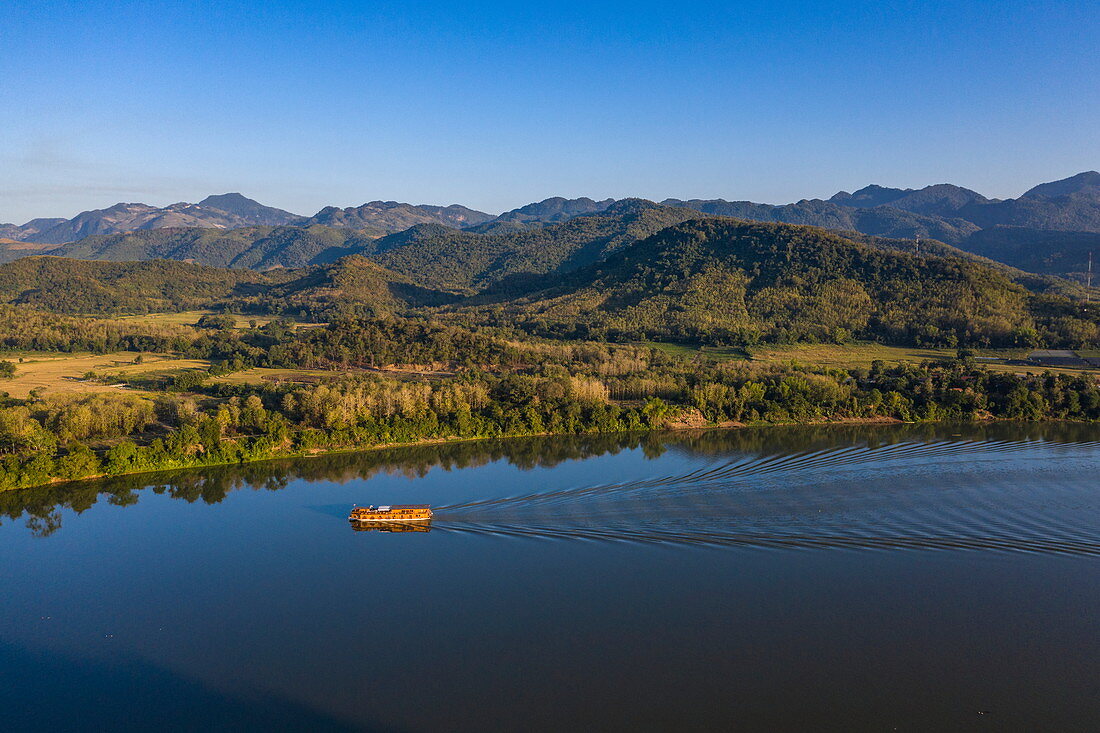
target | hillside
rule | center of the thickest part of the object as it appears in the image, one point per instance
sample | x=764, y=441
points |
x=516, y=261
x=64, y=285
x=353, y=286
x=881, y=220
x=736, y=282
x=258, y=248
x=1036, y=250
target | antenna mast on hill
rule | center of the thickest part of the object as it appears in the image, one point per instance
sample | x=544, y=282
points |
x=918, y=244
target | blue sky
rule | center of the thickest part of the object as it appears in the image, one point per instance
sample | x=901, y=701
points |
x=305, y=104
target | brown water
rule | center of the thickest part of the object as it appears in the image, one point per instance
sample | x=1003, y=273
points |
x=912, y=578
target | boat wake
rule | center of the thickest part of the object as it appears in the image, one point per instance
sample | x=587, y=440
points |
x=996, y=496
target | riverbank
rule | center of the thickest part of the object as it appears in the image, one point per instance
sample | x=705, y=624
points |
x=673, y=426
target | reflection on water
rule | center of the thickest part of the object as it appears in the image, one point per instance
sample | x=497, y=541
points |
x=731, y=500
x=829, y=578
x=391, y=526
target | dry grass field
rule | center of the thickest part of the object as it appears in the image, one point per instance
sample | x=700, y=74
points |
x=861, y=355
x=264, y=374
x=64, y=372
x=190, y=318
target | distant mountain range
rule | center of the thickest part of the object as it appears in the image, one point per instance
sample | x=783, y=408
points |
x=391, y=216
x=710, y=280
x=226, y=211
x=232, y=211
x=1049, y=229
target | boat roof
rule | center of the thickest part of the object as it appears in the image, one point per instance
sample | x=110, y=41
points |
x=387, y=507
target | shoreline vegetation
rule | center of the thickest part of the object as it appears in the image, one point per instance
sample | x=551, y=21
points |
x=428, y=442
x=195, y=421
x=41, y=505
x=682, y=324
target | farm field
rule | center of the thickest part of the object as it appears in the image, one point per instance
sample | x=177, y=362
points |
x=190, y=318
x=65, y=372
x=259, y=375
x=861, y=355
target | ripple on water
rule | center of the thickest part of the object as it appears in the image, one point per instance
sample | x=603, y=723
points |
x=996, y=496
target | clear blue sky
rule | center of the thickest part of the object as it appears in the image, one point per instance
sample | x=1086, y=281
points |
x=303, y=104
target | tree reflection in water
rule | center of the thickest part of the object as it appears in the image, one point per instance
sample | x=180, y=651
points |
x=42, y=505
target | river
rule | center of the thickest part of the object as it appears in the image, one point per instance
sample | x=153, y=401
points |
x=843, y=578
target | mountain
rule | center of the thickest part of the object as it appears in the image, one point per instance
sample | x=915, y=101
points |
x=259, y=248
x=942, y=199
x=458, y=248
x=63, y=285
x=1071, y=204
x=724, y=281
x=392, y=216
x=32, y=227
x=1087, y=182
x=248, y=210
x=353, y=286
x=552, y=210
x=1047, y=252
x=881, y=220
x=239, y=211
x=450, y=259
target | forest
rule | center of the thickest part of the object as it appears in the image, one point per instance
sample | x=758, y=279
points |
x=549, y=330
x=484, y=386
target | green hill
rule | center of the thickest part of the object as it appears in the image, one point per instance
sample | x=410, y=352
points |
x=259, y=247
x=517, y=261
x=725, y=281
x=79, y=286
x=1056, y=253
x=353, y=286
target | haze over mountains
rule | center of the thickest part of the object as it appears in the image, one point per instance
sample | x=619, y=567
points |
x=1049, y=229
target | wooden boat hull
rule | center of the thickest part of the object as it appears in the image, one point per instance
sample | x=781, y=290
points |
x=382, y=520
x=391, y=514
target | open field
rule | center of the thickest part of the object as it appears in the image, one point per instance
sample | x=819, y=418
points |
x=861, y=355
x=190, y=318
x=64, y=372
x=264, y=374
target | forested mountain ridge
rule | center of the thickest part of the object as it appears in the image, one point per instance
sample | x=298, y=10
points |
x=224, y=229
x=722, y=281
x=434, y=254
x=61, y=285
x=352, y=287
x=553, y=210
x=941, y=199
x=465, y=261
x=880, y=220
x=258, y=248
x=1040, y=251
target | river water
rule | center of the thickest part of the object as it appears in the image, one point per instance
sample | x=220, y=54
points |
x=845, y=578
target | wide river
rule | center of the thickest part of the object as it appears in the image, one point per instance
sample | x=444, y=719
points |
x=872, y=578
